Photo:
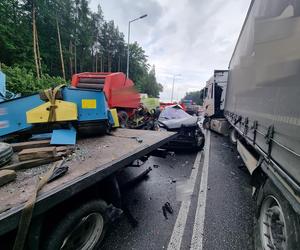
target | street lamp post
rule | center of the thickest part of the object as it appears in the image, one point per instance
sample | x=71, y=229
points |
x=143, y=16
x=174, y=76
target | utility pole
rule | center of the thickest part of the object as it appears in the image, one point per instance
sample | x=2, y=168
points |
x=174, y=76
x=128, y=41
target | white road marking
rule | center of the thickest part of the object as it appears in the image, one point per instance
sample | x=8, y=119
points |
x=198, y=230
x=178, y=230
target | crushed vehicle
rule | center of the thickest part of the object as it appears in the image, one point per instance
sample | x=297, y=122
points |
x=142, y=118
x=174, y=118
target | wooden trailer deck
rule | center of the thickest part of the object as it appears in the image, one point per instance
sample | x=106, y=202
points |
x=93, y=160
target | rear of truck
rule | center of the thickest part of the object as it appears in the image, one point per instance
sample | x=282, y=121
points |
x=214, y=94
x=262, y=105
x=214, y=102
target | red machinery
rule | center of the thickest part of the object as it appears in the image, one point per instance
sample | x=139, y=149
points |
x=119, y=89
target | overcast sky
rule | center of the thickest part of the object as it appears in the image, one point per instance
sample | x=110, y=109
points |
x=187, y=37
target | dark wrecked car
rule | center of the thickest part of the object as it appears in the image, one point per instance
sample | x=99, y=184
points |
x=174, y=118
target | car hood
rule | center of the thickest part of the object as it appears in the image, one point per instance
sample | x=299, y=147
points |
x=177, y=123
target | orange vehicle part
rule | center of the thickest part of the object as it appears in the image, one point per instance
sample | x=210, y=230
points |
x=119, y=90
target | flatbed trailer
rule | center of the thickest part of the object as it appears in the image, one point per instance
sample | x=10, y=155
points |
x=95, y=160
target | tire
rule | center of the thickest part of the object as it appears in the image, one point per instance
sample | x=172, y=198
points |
x=206, y=123
x=277, y=226
x=233, y=136
x=200, y=140
x=6, y=153
x=81, y=229
x=123, y=118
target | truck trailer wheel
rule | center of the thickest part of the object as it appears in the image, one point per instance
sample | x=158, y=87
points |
x=206, y=123
x=233, y=136
x=277, y=225
x=83, y=228
x=200, y=140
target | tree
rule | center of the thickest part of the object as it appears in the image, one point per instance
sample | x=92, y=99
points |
x=150, y=85
x=71, y=38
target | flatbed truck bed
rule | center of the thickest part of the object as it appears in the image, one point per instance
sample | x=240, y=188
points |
x=94, y=159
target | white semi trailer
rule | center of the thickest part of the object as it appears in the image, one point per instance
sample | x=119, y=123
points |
x=263, y=108
x=260, y=100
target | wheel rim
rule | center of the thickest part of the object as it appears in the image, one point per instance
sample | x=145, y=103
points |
x=86, y=234
x=272, y=225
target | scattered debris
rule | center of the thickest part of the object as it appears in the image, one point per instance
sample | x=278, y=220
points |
x=31, y=163
x=58, y=172
x=138, y=163
x=17, y=147
x=138, y=139
x=43, y=152
x=164, y=209
x=171, y=180
x=168, y=207
x=7, y=176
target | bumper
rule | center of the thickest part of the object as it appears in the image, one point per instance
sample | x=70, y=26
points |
x=182, y=142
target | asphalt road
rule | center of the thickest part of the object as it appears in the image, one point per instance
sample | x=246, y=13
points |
x=209, y=192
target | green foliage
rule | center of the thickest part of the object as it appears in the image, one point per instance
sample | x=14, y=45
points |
x=20, y=80
x=195, y=96
x=145, y=79
x=148, y=84
x=89, y=43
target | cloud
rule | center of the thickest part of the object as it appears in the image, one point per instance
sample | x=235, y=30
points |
x=187, y=37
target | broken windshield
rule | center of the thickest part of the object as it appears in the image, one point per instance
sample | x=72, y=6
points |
x=173, y=113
